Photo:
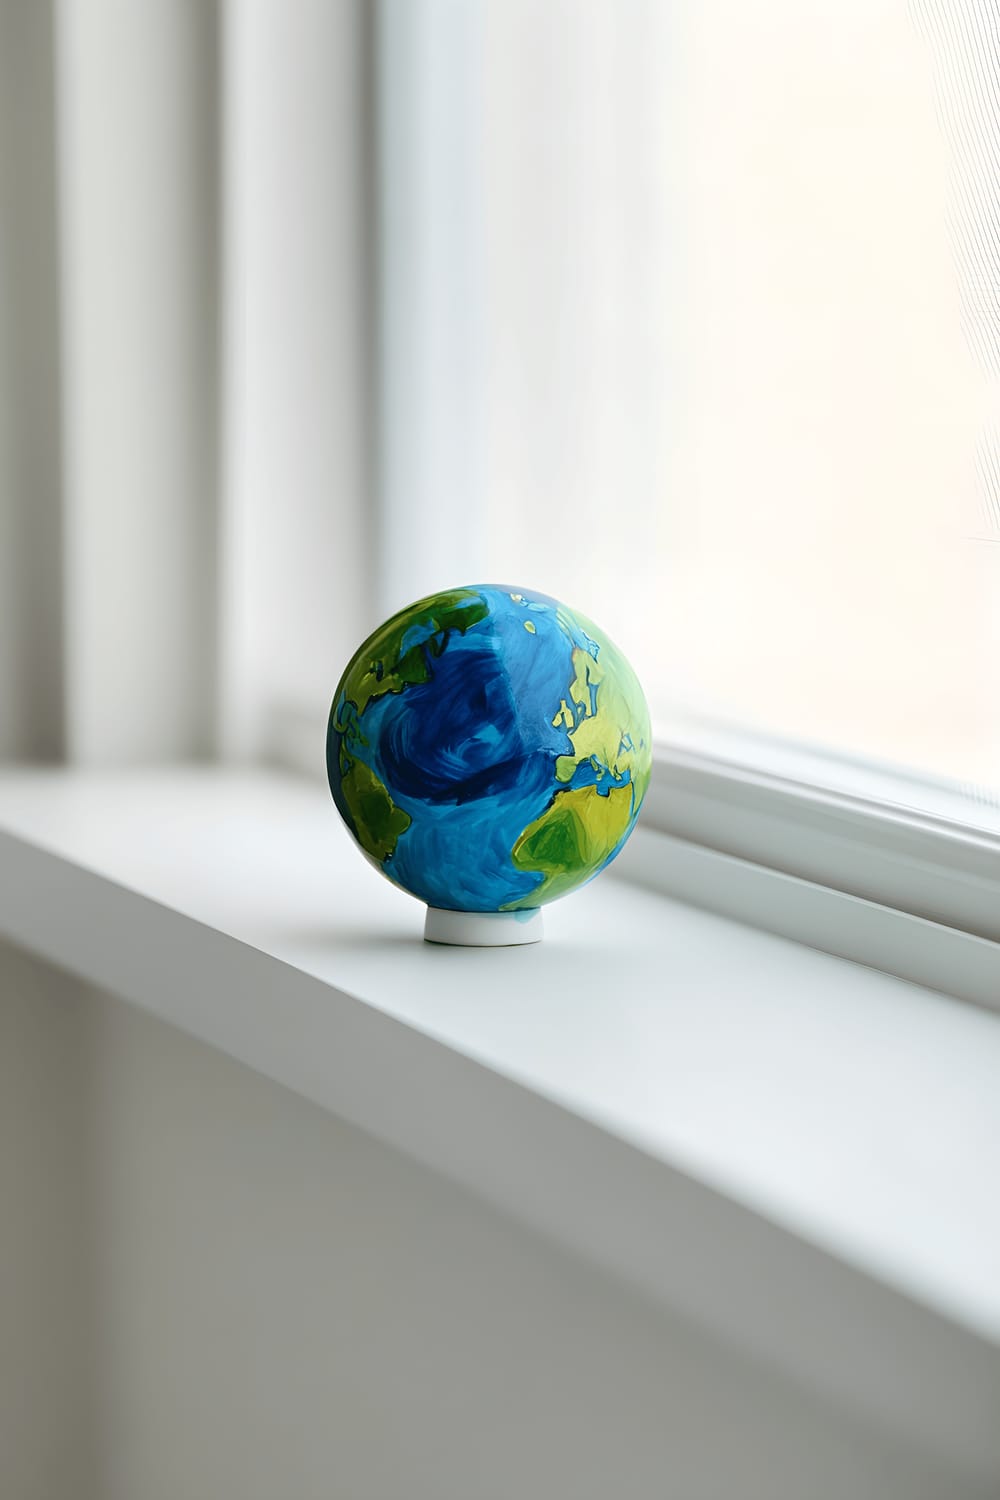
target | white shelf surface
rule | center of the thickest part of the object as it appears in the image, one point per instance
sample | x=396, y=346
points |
x=796, y=1151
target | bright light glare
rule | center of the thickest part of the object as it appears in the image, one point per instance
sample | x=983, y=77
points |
x=739, y=358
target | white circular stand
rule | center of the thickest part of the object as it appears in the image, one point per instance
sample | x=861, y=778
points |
x=483, y=929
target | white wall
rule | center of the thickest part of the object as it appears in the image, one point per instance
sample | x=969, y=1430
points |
x=210, y=1288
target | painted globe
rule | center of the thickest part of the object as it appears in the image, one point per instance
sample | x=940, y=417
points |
x=489, y=749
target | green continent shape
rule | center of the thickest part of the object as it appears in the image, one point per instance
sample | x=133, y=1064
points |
x=382, y=666
x=606, y=718
x=377, y=820
x=572, y=839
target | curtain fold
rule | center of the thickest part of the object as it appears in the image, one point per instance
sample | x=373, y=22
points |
x=297, y=533
x=186, y=373
x=32, y=682
x=108, y=362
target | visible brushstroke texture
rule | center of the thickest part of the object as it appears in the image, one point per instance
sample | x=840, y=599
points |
x=372, y=811
x=489, y=749
x=571, y=841
x=399, y=653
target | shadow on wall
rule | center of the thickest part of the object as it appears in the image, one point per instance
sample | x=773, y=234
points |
x=31, y=542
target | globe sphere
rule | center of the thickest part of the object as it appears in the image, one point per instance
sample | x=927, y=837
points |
x=489, y=749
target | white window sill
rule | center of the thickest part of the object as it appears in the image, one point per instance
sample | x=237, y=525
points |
x=794, y=1150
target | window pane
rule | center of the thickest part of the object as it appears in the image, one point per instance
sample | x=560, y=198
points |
x=736, y=355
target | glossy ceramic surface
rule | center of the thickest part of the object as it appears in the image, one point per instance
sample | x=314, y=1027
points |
x=489, y=749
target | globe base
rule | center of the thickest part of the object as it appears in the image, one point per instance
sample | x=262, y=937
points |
x=483, y=929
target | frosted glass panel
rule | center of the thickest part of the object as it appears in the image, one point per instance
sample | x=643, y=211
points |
x=735, y=365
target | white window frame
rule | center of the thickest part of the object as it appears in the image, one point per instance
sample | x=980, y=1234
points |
x=864, y=862
x=866, y=874
x=873, y=832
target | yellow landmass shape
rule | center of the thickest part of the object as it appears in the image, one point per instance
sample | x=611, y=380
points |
x=606, y=720
x=572, y=839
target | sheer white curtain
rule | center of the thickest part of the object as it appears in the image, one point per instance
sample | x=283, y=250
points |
x=32, y=719
x=109, y=450
x=184, y=370
x=298, y=532
x=527, y=262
